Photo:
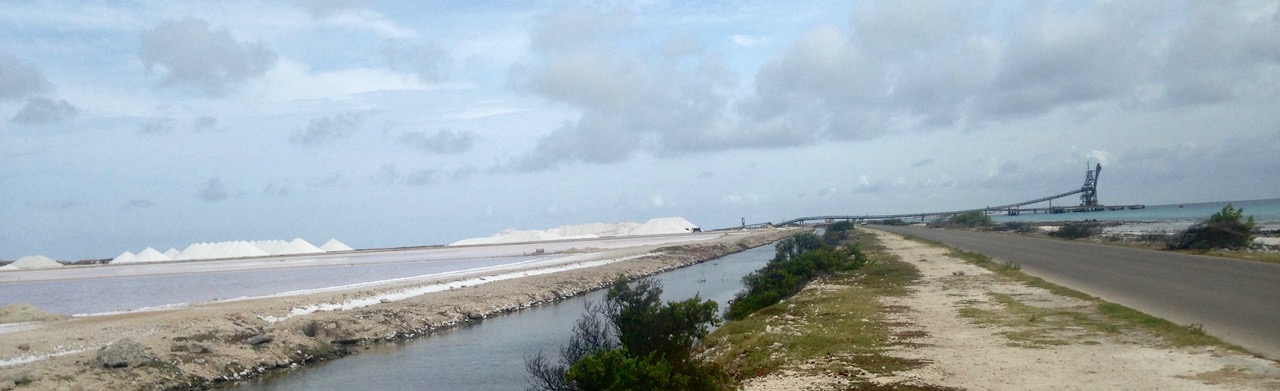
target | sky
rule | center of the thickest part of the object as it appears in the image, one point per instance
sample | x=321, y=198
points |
x=150, y=123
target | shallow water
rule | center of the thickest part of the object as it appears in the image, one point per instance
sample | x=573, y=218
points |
x=84, y=296
x=490, y=355
x=1172, y=216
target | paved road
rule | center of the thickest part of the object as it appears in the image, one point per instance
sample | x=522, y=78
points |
x=1238, y=301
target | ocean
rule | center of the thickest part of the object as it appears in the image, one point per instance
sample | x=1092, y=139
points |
x=1170, y=217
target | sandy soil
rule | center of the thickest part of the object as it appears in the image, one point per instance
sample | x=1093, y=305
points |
x=207, y=345
x=971, y=355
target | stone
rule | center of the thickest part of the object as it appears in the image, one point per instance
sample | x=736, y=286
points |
x=260, y=339
x=123, y=353
x=6, y=385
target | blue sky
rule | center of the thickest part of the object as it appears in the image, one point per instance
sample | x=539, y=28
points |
x=125, y=125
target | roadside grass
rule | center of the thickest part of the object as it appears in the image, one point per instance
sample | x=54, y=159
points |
x=836, y=327
x=1105, y=318
x=1241, y=255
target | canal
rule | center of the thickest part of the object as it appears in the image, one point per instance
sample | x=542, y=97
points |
x=490, y=355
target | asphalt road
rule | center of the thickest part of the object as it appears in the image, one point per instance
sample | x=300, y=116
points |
x=1238, y=301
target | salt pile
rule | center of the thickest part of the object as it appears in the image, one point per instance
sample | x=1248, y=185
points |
x=658, y=226
x=31, y=263
x=149, y=255
x=230, y=249
x=335, y=245
x=665, y=225
x=124, y=257
x=299, y=246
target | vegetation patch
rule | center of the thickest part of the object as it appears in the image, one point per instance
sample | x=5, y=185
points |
x=1226, y=229
x=799, y=259
x=839, y=329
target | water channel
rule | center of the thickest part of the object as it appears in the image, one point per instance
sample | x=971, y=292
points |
x=490, y=355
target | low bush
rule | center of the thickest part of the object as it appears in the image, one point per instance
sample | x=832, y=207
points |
x=632, y=341
x=1226, y=229
x=799, y=259
x=970, y=219
x=1077, y=230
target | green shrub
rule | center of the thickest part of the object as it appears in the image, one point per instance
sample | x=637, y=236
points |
x=970, y=219
x=632, y=341
x=1227, y=229
x=1021, y=227
x=1077, y=230
x=799, y=259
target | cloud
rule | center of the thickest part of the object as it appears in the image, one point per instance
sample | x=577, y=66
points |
x=277, y=190
x=325, y=8
x=894, y=68
x=19, y=80
x=192, y=54
x=443, y=142
x=321, y=130
x=212, y=191
x=747, y=40
x=56, y=205
x=387, y=175
x=421, y=177
x=156, y=126
x=332, y=180
x=631, y=100
x=428, y=61
x=656, y=201
x=44, y=111
x=138, y=204
x=205, y=123
x=922, y=163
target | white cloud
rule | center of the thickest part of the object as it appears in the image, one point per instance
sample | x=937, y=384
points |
x=337, y=126
x=212, y=191
x=656, y=201
x=747, y=40
x=443, y=142
x=191, y=53
x=43, y=111
x=295, y=81
x=19, y=80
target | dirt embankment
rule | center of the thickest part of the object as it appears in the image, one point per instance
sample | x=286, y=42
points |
x=209, y=345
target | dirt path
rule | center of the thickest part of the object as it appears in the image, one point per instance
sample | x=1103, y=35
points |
x=982, y=331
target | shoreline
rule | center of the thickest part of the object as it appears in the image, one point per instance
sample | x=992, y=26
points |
x=212, y=345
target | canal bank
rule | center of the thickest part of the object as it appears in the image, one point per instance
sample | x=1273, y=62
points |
x=490, y=355
x=217, y=344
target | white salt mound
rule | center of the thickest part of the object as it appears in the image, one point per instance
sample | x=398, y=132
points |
x=171, y=252
x=149, y=255
x=335, y=245
x=124, y=257
x=664, y=225
x=658, y=226
x=33, y=262
x=237, y=249
x=299, y=246
x=270, y=246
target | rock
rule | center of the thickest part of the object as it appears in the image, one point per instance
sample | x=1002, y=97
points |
x=260, y=339
x=196, y=348
x=123, y=353
x=190, y=347
x=6, y=385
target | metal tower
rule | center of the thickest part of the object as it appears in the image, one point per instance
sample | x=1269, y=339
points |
x=1089, y=192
